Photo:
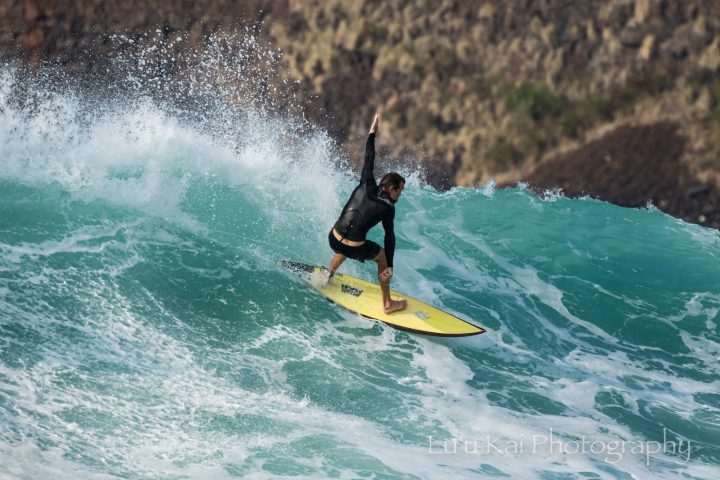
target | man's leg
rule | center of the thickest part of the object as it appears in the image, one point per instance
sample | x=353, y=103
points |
x=335, y=263
x=389, y=305
x=322, y=278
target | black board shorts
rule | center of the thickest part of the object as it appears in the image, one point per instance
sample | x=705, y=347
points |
x=367, y=251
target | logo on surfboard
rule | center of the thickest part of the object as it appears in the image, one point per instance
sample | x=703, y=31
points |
x=355, y=292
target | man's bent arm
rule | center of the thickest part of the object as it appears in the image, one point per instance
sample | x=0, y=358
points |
x=388, y=222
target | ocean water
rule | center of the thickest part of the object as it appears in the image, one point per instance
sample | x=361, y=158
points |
x=147, y=333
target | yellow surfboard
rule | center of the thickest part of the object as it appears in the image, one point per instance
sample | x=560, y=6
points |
x=365, y=298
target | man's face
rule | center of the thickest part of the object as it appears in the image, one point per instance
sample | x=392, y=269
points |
x=394, y=192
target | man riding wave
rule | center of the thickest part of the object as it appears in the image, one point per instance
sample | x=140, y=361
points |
x=368, y=205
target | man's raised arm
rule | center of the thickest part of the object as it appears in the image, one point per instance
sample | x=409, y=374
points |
x=369, y=164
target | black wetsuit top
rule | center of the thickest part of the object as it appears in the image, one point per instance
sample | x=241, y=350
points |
x=367, y=206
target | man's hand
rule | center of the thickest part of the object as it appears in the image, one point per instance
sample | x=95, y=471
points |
x=386, y=274
x=374, y=126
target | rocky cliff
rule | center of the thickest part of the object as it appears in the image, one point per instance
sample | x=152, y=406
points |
x=515, y=89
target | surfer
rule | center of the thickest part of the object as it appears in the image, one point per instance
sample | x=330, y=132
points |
x=369, y=204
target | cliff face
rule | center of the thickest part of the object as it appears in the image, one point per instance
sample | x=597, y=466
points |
x=77, y=33
x=492, y=87
x=476, y=89
x=632, y=166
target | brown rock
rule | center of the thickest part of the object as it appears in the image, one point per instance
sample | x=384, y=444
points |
x=33, y=39
x=629, y=167
x=642, y=10
x=631, y=38
x=31, y=11
x=647, y=49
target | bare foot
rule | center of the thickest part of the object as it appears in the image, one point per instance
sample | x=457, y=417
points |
x=395, y=305
x=321, y=278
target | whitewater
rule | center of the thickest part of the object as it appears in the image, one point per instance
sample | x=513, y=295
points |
x=146, y=331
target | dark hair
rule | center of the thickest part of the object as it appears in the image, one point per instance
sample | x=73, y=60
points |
x=392, y=179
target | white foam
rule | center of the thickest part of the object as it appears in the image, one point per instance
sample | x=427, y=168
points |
x=488, y=188
x=138, y=155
